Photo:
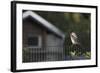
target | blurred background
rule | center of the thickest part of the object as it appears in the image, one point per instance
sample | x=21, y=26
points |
x=68, y=22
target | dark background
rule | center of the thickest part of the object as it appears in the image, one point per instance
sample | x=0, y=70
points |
x=68, y=22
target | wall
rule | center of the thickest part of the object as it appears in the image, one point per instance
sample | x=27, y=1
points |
x=5, y=37
x=54, y=42
x=30, y=29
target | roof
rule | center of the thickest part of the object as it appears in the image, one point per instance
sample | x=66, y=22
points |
x=44, y=22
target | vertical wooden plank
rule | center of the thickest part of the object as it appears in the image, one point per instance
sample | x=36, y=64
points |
x=44, y=38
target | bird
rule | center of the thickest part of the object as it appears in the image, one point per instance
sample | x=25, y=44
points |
x=76, y=44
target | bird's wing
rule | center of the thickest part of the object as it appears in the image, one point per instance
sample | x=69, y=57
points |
x=74, y=39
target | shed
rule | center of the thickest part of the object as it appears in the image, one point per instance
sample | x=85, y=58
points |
x=41, y=39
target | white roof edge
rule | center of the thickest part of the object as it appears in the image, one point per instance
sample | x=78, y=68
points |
x=44, y=22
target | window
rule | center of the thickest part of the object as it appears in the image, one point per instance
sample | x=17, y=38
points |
x=34, y=41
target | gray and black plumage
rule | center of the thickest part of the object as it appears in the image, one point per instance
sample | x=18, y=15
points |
x=76, y=44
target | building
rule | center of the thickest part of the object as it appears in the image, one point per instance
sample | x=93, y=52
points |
x=42, y=41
